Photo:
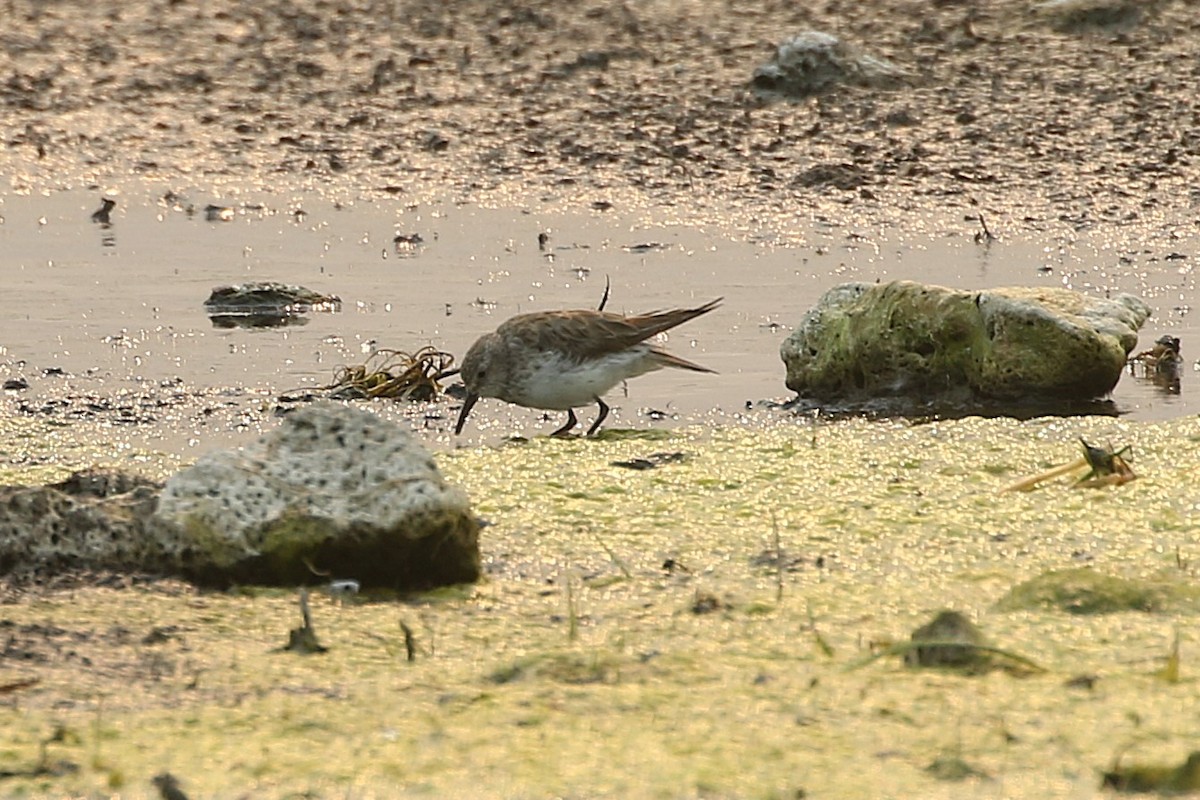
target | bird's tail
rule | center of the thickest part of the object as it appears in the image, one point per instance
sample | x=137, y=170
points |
x=665, y=359
x=656, y=322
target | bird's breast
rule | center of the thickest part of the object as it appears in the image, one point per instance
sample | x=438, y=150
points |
x=556, y=382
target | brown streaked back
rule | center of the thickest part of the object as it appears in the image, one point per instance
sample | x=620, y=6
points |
x=585, y=333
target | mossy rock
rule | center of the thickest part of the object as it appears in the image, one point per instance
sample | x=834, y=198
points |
x=1085, y=591
x=953, y=768
x=910, y=340
x=626, y=434
x=561, y=667
x=1159, y=778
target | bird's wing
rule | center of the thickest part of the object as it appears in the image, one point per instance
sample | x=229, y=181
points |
x=591, y=334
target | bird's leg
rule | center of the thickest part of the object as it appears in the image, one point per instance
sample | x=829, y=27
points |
x=571, y=423
x=599, y=419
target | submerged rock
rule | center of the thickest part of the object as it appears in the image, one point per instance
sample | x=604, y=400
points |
x=261, y=295
x=953, y=768
x=265, y=304
x=334, y=490
x=812, y=62
x=904, y=339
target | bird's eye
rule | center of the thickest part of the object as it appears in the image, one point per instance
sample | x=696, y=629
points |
x=480, y=375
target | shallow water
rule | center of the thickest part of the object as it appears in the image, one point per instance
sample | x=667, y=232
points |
x=121, y=306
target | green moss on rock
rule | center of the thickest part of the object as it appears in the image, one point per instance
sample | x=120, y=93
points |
x=1085, y=591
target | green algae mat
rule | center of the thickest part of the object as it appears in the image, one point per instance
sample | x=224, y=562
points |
x=664, y=615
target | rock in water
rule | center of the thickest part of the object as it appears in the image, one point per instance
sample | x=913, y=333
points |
x=260, y=296
x=334, y=489
x=909, y=340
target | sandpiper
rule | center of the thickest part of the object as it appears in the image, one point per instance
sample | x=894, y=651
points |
x=561, y=360
x=103, y=214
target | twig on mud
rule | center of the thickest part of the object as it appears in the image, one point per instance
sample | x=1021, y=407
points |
x=778, y=559
x=572, y=610
x=1170, y=671
x=1017, y=662
x=1105, y=468
x=304, y=639
x=985, y=237
x=9, y=688
x=824, y=645
x=410, y=641
x=616, y=559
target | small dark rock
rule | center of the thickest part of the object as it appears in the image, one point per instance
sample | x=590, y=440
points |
x=168, y=787
x=650, y=461
x=706, y=603
x=954, y=642
x=953, y=768
x=1086, y=681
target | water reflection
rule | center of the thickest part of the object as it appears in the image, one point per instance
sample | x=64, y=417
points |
x=919, y=411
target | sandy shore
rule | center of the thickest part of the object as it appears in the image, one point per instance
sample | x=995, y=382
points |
x=619, y=104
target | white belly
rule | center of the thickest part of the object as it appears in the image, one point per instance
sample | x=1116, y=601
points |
x=558, y=384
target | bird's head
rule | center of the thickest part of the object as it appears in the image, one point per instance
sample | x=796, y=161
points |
x=484, y=369
x=484, y=372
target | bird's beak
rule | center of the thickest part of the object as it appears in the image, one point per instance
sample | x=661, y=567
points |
x=468, y=404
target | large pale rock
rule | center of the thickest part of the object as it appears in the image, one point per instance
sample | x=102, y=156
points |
x=904, y=339
x=334, y=488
